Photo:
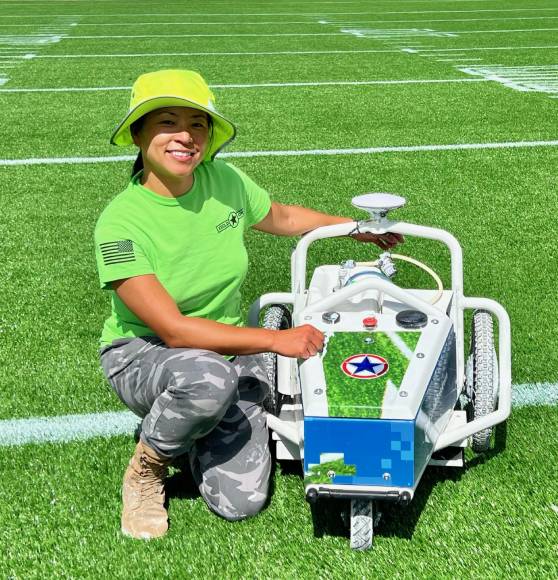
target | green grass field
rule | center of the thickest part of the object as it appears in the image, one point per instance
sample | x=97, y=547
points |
x=61, y=98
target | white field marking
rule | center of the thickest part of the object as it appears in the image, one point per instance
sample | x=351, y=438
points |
x=244, y=53
x=292, y=153
x=285, y=52
x=241, y=35
x=289, y=22
x=389, y=33
x=314, y=14
x=29, y=40
x=535, y=394
x=395, y=33
x=175, y=23
x=359, y=22
x=3, y=80
x=66, y=428
x=257, y=85
x=438, y=50
x=531, y=78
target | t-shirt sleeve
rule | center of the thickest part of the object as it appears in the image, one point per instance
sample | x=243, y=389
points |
x=119, y=253
x=258, y=202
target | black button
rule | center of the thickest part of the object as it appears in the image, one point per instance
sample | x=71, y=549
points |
x=411, y=319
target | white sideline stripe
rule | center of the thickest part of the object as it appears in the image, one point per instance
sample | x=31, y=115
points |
x=243, y=53
x=65, y=428
x=306, y=22
x=388, y=32
x=244, y=35
x=291, y=153
x=284, y=52
x=315, y=14
x=409, y=32
x=359, y=22
x=258, y=85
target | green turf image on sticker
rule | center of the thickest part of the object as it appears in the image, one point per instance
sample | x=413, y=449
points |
x=359, y=373
x=325, y=471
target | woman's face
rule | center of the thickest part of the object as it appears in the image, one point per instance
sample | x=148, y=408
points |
x=173, y=141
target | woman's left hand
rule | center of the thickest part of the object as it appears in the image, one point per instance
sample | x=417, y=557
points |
x=384, y=241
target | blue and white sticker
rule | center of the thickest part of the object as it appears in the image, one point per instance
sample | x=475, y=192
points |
x=365, y=366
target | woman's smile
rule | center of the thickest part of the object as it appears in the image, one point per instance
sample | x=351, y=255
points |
x=173, y=141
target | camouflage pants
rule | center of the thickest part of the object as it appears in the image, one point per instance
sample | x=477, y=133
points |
x=198, y=402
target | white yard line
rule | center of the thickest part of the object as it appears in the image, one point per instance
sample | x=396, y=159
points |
x=283, y=52
x=312, y=14
x=390, y=32
x=434, y=51
x=293, y=153
x=425, y=20
x=290, y=22
x=243, y=53
x=65, y=428
x=240, y=35
x=175, y=23
x=257, y=85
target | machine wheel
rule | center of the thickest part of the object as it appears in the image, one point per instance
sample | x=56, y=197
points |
x=482, y=373
x=277, y=317
x=362, y=524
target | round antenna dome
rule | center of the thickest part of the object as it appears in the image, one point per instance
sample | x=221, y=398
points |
x=378, y=204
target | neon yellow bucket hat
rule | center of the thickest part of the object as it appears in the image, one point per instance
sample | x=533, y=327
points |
x=174, y=88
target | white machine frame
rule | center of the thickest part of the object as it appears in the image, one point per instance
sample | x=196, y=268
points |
x=456, y=431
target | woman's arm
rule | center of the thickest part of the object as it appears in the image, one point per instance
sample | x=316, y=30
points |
x=146, y=297
x=294, y=220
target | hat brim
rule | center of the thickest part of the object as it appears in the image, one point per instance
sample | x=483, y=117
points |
x=223, y=131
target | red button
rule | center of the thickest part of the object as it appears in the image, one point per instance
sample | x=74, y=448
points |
x=370, y=322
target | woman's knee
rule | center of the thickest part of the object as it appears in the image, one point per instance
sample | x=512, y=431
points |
x=242, y=508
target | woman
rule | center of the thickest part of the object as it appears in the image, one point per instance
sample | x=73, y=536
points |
x=170, y=248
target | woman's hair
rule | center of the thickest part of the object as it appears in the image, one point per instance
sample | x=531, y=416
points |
x=135, y=127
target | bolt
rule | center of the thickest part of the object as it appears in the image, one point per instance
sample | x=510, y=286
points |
x=368, y=340
x=386, y=476
x=434, y=321
x=307, y=318
x=331, y=474
x=403, y=394
x=420, y=355
x=318, y=391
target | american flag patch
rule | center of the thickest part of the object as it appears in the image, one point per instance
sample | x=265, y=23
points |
x=117, y=252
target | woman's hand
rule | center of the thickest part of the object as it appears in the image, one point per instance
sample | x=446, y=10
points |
x=384, y=241
x=300, y=342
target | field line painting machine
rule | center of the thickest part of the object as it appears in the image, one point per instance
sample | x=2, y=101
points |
x=393, y=386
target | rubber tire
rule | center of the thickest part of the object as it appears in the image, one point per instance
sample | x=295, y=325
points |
x=362, y=524
x=484, y=367
x=276, y=317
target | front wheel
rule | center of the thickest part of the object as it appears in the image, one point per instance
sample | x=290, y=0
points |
x=362, y=524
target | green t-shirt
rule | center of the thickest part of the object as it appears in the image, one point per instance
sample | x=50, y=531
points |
x=194, y=244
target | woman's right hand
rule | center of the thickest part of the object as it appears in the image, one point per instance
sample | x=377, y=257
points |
x=300, y=342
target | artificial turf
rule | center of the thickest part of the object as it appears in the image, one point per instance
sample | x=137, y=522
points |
x=60, y=504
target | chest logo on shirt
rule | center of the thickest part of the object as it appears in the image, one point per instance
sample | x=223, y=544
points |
x=232, y=221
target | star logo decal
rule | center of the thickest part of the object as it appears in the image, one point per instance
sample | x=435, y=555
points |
x=365, y=366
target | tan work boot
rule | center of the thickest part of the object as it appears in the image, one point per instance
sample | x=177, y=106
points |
x=143, y=495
